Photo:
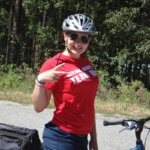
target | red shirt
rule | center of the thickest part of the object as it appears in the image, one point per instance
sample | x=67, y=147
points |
x=74, y=93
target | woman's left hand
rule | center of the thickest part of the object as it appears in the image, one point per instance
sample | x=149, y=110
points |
x=93, y=144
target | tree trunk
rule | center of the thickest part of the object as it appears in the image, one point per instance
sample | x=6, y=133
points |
x=8, y=48
x=18, y=16
x=149, y=76
x=44, y=17
x=17, y=32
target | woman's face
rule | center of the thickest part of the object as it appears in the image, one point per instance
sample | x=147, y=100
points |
x=76, y=42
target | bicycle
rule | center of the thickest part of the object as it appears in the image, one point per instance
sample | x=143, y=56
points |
x=131, y=124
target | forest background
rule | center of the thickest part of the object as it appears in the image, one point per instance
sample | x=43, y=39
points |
x=30, y=33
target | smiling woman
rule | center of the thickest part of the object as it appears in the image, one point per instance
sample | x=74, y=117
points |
x=69, y=76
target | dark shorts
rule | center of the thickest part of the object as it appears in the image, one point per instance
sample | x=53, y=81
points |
x=56, y=139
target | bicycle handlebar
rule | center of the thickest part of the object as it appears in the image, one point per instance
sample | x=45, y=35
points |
x=147, y=119
x=107, y=123
x=138, y=125
x=126, y=122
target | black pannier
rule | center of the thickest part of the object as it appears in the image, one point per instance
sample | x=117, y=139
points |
x=18, y=138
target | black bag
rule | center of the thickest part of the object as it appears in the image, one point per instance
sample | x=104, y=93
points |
x=18, y=138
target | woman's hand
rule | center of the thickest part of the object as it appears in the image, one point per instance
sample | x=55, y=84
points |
x=93, y=144
x=51, y=75
x=93, y=140
x=40, y=95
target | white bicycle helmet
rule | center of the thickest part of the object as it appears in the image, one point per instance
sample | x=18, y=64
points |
x=79, y=23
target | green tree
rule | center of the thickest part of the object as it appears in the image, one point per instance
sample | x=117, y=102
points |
x=31, y=32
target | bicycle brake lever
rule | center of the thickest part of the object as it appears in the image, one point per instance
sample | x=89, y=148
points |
x=129, y=125
x=123, y=130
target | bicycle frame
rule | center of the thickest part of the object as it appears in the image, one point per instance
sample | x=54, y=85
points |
x=138, y=147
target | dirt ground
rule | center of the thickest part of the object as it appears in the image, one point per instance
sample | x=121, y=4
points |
x=109, y=138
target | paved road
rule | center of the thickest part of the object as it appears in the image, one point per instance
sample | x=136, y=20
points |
x=108, y=137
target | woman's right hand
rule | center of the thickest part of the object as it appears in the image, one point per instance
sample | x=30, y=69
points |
x=51, y=75
x=40, y=95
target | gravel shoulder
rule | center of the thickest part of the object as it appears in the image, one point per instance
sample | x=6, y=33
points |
x=109, y=138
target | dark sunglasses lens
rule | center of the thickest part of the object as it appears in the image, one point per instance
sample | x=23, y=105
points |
x=73, y=36
x=84, y=39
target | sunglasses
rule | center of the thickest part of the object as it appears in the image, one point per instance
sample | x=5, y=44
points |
x=74, y=36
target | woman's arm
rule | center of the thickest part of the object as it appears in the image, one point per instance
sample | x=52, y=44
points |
x=40, y=98
x=93, y=141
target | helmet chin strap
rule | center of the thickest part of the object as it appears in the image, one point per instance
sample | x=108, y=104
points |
x=68, y=50
x=66, y=45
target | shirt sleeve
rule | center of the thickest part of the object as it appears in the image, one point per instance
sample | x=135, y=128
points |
x=45, y=67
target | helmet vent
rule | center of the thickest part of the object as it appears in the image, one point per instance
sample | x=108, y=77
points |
x=67, y=24
x=86, y=19
x=81, y=21
x=71, y=18
x=76, y=18
x=76, y=27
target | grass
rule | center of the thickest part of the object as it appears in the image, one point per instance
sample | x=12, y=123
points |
x=122, y=108
x=108, y=107
x=130, y=99
x=16, y=96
